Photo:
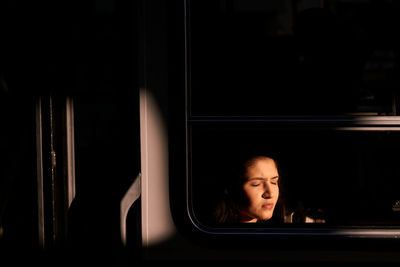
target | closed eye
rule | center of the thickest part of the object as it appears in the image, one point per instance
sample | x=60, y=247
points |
x=274, y=180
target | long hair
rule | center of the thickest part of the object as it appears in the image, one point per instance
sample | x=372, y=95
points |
x=232, y=198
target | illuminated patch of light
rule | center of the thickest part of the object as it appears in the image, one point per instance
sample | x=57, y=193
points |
x=157, y=223
x=372, y=123
x=368, y=128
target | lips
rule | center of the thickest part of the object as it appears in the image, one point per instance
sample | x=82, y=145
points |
x=267, y=206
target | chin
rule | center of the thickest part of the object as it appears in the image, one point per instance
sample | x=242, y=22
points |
x=266, y=217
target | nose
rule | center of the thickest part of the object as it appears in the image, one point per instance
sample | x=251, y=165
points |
x=266, y=195
x=267, y=192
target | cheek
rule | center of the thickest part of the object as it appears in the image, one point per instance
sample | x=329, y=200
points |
x=251, y=194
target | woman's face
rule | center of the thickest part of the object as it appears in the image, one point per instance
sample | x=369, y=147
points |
x=261, y=190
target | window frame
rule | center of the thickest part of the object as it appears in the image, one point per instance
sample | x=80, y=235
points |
x=340, y=123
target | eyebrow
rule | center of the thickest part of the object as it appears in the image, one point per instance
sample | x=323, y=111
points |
x=260, y=178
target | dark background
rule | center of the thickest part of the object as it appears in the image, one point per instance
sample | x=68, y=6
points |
x=88, y=51
x=294, y=57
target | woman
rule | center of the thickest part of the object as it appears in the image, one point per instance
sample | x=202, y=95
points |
x=253, y=195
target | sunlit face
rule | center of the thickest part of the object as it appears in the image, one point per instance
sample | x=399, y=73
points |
x=261, y=190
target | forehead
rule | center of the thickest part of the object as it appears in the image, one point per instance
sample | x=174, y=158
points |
x=264, y=167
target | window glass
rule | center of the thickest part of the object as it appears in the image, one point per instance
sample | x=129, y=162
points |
x=329, y=177
x=294, y=57
x=292, y=114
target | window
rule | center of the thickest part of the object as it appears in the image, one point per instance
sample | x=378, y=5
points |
x=347, y=175
x=293, y=57
x=313, y=84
